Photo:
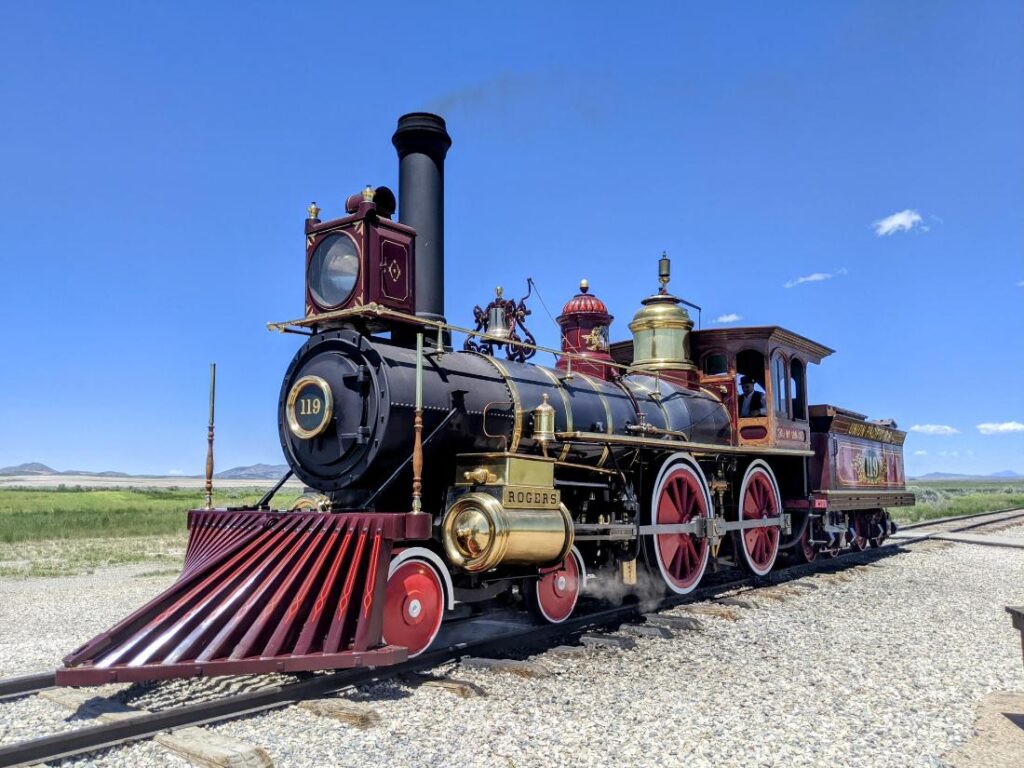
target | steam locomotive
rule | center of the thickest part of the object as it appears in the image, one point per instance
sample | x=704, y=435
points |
x=444, y=481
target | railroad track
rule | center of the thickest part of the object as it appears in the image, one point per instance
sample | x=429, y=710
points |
x=522, y=639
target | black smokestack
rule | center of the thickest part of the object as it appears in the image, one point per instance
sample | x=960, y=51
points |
x=422, y=142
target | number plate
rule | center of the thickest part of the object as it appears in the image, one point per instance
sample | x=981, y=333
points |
x=310, y=407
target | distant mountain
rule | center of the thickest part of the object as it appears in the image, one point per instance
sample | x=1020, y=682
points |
x=31, y=468
x=254, y=472
x=1006, y=474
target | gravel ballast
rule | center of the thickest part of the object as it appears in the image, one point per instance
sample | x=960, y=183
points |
x=879, y=666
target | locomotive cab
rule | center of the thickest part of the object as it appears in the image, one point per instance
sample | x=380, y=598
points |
x=776, y=359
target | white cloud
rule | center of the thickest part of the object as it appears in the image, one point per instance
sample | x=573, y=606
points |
x=904, y=221
x=935, y=429
x=951, y=454
x=920, y=453
x=816, y=277
x=175, y=472
x=1002, y=428
x=732, y=317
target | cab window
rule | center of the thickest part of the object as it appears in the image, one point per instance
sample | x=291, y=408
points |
x=798, y=389
x=716, y=364
x=779, y=385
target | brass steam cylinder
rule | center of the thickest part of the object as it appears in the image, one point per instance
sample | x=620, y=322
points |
x=480, y=533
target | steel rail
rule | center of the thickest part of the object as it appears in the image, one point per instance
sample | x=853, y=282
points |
x=15, y=687
x=954, y=518
x=93, y=738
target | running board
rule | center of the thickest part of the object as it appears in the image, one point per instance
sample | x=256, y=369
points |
x=259, y=592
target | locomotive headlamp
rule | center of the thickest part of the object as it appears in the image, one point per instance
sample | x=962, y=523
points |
x=333, y=270
x=310, y=407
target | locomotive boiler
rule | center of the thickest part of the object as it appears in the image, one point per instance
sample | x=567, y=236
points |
x=444, y=479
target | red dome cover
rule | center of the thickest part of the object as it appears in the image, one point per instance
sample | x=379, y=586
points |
x=584, y=304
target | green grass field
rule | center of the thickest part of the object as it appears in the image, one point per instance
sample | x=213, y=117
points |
x=67, y=530
x=948, y=498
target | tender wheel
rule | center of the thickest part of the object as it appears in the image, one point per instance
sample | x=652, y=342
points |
x=804, y=551
x=857, y=533
x=680, y=496
x=879, y=525
x=553, y=596
x=757, y=548
x=414, y=602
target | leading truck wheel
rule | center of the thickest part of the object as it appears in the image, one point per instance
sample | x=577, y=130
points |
x=680, y=497
x=553, y=596
x=757, y=548
x=414, y=600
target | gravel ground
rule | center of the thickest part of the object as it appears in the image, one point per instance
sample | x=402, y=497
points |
x=879, y=666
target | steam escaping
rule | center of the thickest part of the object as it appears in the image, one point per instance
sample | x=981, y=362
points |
x=648, y=591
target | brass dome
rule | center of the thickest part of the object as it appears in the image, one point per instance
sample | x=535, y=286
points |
x=661, y=335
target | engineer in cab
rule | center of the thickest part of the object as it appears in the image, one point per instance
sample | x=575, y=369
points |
x=751, y=402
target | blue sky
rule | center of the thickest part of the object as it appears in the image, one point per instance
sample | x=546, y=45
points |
x=156, y=161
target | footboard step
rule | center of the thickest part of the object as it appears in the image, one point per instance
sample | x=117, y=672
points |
x=678, y=623
x=461, y=688
x=647, y=630
x=202, y=747
x=511, y=666
x=621, y=642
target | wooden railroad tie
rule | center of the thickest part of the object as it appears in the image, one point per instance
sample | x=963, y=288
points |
x=620, y=642
x=461, y=688
x=350, y=712
x=511, y=666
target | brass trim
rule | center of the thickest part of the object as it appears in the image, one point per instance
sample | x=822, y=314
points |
x=586, y=467
x=627, y=381
x=517, y=403
x=373, y=309
x=289, y=409
x=677, y=445
x=565, y=401
x=609, y=427
x=310, y=502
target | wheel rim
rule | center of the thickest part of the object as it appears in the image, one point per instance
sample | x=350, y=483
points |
x=809, y=550
x=759, y=500
x=859, y=542
x=557, y=591
x=413, y=606
x=682, y=557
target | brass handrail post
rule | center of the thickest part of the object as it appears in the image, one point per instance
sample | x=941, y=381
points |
x=417, y=429
x=209, y=439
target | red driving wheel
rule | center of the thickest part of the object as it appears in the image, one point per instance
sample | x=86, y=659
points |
x=553, y=596
x=680, y=497
x=413, y=605
x=759, y=499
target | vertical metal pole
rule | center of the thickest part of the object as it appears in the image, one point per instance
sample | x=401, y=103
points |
x=417, y=428
x=209, y=438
